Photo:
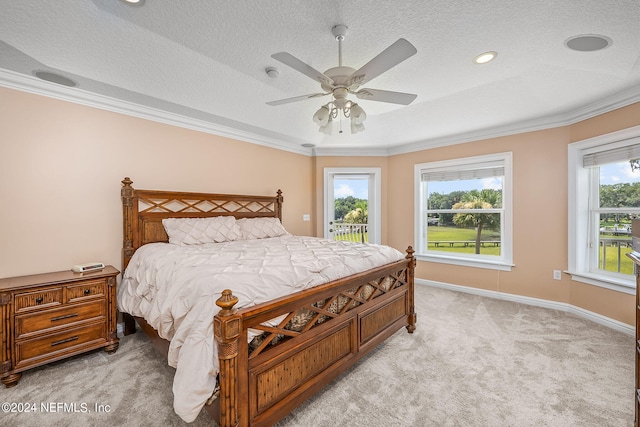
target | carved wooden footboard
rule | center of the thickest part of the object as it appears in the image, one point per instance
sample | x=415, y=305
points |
x=260, y=385
x=317, y=333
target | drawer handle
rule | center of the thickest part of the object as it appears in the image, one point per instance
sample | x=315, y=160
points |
x=87, y=291
x=66, y=316
x=39, y=300
x=64, y=341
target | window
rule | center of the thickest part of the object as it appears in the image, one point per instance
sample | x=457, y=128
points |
x=604, y=181
x=463, y=211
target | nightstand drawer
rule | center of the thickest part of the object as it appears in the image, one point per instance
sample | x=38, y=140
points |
x=60, y=344
x=49, y=320
x=46, y=298
x=86, y=290
x=51, y=316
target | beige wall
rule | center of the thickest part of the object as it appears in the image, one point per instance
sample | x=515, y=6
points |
x=539, y=215
x=61, y=165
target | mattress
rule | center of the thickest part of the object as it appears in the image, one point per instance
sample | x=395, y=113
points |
x=174, y=288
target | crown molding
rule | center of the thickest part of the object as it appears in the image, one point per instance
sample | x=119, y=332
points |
x=75, y=95
x=601, y=106
x=350, y=152
x=30, y=84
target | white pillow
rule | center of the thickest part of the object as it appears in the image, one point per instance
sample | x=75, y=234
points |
x=196, y=231
x=260, y=228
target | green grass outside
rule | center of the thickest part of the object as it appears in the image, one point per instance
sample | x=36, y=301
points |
x=438, y=233
x=445, y=234
x=626, y=265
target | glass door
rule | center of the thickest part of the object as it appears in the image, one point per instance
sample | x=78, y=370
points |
x=351, y=205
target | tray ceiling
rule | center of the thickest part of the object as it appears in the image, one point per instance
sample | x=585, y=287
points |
x=201, y=64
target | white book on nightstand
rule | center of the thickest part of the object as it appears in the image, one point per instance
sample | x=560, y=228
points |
x=90, y=266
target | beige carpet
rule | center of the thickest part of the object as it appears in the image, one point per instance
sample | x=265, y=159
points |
x=473, y=361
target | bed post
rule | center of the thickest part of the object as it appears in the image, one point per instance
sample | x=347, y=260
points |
x=126, y=193
x=127, y=212
x=226, y=329
x=410, y=282
x=279, y=200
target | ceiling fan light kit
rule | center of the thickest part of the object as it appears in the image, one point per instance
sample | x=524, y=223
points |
x=341, y=81
x=326, y=114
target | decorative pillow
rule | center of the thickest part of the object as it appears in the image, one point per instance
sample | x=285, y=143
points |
x=196, y=231
x=260, y=228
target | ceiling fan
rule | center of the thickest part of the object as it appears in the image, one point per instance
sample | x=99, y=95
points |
x=341, y=81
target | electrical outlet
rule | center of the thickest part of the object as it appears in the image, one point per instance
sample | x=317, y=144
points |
x=557, y=275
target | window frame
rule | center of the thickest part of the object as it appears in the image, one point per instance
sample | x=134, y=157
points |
x=503, y=262
x=581, y=225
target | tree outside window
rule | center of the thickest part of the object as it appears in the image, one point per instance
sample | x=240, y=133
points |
x=462, y=215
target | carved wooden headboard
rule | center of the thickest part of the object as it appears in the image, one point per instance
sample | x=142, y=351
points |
x=143, y=211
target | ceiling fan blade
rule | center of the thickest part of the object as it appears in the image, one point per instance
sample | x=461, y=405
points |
x=296, y=98
x=386, y=96
x=307, y=70
x=388, y=58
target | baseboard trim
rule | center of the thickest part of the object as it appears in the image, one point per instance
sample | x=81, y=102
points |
x=554, y=305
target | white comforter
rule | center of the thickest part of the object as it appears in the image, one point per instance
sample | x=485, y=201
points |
x=175, y=287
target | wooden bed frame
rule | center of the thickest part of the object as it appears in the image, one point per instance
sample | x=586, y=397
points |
x=261, y=385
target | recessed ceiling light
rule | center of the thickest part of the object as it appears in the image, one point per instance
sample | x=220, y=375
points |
x=55, y=78
x=307, y=145
x=133, y=2
x=588, y=42
x=483, y=58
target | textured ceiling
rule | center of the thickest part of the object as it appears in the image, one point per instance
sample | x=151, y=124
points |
x=201, y=64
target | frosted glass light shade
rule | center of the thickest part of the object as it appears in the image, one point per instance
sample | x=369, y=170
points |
x=327, y=129
x=356, y=127
x=358, y=116
x=321, y=117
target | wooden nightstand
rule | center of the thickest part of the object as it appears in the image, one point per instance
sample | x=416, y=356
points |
x=48, y=317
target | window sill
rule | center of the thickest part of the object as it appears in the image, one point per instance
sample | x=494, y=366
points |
x=466, y=262
x=615, y=284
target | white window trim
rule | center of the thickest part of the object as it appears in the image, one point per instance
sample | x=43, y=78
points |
x=578, y=184
x=505, y=261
